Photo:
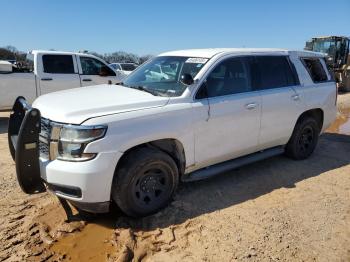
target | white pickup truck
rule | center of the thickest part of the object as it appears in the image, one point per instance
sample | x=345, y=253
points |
x=216, y=109
x=53, y=71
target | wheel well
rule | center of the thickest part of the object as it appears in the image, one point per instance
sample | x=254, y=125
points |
x=172, y=147
x=316, y=113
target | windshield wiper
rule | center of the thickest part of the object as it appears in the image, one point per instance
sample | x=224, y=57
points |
x=145, y=89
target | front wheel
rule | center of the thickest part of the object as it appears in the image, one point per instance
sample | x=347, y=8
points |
x=304, y=139
x=145, y=182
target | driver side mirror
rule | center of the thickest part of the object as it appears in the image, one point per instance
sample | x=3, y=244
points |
x=186, y=79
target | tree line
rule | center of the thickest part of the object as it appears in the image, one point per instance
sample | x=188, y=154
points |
x=12, y=53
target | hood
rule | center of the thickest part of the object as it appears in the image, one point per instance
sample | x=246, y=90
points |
x=76, y=105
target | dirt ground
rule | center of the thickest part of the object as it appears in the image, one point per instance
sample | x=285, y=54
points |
x=274, y=210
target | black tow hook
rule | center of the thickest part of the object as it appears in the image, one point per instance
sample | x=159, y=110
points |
x=67, y=209
x=82, y=215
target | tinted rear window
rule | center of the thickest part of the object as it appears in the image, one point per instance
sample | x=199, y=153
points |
x=274, y=72
x=315, y=69
x=58, y=64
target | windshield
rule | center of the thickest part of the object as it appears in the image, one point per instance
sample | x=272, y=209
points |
x=325, y=46
x=128, y=67
x=162, y=74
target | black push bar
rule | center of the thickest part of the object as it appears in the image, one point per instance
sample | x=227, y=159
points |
x=23, y=140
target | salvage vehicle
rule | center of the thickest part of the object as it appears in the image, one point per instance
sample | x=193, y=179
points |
x=53, y=71
x=133, y=143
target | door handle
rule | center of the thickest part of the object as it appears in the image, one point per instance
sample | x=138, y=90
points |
x=46, y=79
x=295, y=97
x=251, y=106
x=87, y=80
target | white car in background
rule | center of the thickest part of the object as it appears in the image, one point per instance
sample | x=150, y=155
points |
x=124, y=68
x=52, y=71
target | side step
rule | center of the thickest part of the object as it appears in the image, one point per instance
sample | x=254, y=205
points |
x=216, y=169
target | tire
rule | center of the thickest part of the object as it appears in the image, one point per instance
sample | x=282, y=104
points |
x=145, y=182
x=304, y=139
x=345, y=87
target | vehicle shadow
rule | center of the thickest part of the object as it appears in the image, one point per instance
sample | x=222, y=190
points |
x=240, y=185
x=3, y=124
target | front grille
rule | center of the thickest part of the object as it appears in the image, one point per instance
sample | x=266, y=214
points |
x=44, y=150
x=45, y=127
x=44, y=138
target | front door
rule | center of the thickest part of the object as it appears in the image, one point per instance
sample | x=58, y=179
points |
x=95, y=72
x=58, y=72
x=227, y=114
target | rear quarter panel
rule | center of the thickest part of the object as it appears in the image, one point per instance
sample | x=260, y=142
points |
x=317, y=95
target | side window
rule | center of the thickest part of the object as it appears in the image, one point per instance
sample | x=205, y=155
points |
x=92, y=66
x=275, y=72
x=315, y=69
x=58, y=64
x=229, y=77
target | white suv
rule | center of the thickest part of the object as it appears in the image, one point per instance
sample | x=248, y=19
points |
x=132, y=143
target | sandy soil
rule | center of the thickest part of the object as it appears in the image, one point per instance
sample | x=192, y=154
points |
x=274, y=210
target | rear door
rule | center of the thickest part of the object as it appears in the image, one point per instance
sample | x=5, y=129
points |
x=95, y=72
x=57, y=72
x=281, y=99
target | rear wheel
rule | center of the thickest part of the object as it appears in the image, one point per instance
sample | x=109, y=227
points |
x=344, y=84
x=145, y=182
x=304, y=139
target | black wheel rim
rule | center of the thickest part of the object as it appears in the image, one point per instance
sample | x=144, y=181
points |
x=152, y=186
x=306, y=139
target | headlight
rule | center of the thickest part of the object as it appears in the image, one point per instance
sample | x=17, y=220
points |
x=73, y=140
